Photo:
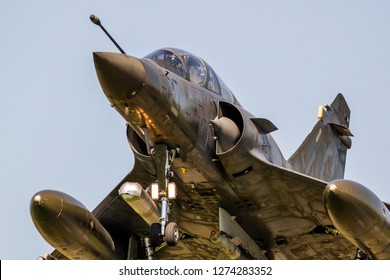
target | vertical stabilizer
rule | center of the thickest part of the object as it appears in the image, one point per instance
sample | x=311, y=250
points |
x=323, y=153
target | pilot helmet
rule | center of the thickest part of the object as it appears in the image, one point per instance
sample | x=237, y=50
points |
x=173, y=60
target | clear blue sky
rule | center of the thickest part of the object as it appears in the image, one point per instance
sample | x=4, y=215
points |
x=280, y=58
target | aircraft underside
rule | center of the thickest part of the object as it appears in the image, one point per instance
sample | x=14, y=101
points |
x=209, y=181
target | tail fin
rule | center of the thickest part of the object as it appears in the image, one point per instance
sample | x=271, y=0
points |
x=323, y=153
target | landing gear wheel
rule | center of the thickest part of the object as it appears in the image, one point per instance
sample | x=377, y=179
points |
x=172, y=234
x=154, y=234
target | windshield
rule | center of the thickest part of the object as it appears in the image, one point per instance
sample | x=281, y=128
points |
x=169, y=61
x=191, y=68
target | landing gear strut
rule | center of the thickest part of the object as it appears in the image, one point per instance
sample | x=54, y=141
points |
x=164, y=191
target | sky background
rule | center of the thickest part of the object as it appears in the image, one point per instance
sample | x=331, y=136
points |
x=280, y=58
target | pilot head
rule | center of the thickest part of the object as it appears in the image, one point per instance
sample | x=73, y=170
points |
x=174, y=61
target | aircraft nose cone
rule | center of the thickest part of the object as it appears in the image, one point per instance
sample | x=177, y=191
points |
x=121, y=76
x=46, y=206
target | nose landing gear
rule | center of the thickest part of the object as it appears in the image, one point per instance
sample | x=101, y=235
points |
x=164, y=191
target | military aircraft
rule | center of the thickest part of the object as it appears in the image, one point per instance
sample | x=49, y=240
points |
x=209, y=181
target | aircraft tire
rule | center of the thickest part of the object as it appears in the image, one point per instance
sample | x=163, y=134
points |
x=172, y=234
x=154, y=234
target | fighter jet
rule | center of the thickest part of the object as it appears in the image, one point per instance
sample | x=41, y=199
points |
x=209, y=181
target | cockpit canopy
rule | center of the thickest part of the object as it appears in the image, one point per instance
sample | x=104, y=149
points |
x=191, y=68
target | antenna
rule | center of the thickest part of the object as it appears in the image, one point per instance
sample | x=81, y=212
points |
x=96, y=21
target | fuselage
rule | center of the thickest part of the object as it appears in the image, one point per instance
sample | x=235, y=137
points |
x=173, y=99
